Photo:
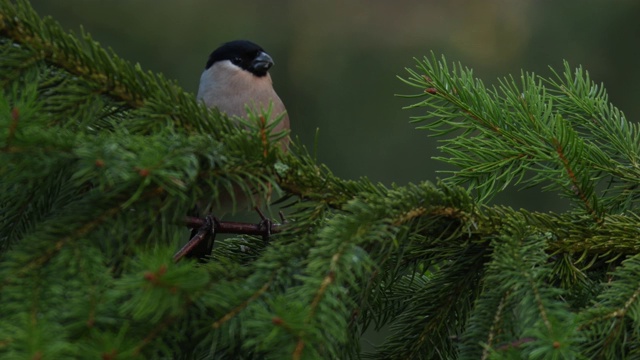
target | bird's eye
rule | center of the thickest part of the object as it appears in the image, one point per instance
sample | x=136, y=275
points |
x=236, y=60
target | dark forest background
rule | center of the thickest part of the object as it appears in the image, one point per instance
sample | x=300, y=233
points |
x=337, y=61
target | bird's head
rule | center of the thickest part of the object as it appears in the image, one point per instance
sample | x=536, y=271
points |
x=243, y=54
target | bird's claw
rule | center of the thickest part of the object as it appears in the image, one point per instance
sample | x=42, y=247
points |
x=194, y=248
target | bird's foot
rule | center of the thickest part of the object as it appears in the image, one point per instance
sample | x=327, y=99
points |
x=266, y=225
x=207, y=230
x=201, y=243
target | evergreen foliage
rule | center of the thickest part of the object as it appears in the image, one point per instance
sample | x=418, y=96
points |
x=100, y=161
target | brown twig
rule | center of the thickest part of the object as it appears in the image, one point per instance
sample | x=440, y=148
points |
x=232, y=227
x=199, y=237
x=235, y=311
x=515, y=344
x=264, y=228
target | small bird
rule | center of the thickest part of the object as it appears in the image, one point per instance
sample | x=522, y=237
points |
x=237, y=76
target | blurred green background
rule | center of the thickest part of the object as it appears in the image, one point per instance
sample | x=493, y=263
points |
x=337, y=61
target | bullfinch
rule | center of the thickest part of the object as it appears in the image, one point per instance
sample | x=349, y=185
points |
x=236, y=76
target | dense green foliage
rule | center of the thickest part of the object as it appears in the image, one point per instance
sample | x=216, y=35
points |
x=100, y=161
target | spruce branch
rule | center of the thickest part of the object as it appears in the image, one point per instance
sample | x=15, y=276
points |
x=495, y=328
x=235, y=311
x=101, y=162
x=536, y=126
x=18, y=22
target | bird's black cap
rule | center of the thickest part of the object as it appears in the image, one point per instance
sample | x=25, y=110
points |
x=245, y=54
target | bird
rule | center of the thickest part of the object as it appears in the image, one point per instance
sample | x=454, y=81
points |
x=236, y=75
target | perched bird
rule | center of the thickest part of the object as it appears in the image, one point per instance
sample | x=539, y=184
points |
x=237, y=76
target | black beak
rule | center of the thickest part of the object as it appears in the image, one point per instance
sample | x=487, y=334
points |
x=262, y=63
